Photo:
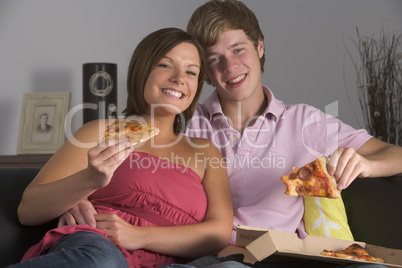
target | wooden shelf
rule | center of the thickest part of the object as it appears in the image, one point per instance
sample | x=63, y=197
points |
x=24, y=160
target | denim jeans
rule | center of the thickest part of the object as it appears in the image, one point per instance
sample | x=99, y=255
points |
x=81, y=249
x=234, y=261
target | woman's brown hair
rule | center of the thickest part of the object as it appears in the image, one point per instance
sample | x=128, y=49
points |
x=144, y=59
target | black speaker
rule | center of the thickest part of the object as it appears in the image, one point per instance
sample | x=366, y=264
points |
x=99, y=91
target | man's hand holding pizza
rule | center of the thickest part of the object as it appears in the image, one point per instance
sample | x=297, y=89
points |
x=345, y=164
x=374, y=158
x=82, y=213
x=324, y=177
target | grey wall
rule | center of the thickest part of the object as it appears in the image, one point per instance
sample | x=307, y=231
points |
x=43, y=44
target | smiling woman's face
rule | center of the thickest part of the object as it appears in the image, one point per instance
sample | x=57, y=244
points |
x=174, y=80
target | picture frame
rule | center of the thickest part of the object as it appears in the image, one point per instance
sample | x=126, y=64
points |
x=42, y=122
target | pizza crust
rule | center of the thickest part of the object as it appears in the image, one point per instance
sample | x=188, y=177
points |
x=331, y=179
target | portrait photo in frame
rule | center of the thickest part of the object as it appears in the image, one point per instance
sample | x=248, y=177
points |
x=42, y=122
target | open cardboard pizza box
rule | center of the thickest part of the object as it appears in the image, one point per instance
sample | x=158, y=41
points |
x=258, y=244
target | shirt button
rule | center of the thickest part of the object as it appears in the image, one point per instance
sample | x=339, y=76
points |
x=234, y=138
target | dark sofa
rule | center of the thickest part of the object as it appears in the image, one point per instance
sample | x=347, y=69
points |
x=373, y=207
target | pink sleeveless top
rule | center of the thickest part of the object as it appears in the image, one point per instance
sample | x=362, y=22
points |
x=145, y=191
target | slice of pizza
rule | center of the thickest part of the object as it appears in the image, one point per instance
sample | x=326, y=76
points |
x=362, y=253
x=312, y=179
x=133, y=131
x=353, y=252
x=340, y=254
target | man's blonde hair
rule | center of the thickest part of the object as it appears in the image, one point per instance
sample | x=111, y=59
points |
x=216, y=16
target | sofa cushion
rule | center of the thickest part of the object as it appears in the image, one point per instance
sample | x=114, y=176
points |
x=326, y=217
x=373, y=206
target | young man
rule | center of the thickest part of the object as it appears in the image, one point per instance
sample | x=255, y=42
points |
x=259, y=136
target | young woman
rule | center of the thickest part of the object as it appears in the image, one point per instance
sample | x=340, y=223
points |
x=165, y=200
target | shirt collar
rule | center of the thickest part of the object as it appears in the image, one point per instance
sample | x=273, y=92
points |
x=275, y=106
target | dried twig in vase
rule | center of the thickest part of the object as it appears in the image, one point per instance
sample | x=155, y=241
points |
x=379, y=83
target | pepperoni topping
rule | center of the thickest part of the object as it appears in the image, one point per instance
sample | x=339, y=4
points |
x=305, y=174
x=303, y=190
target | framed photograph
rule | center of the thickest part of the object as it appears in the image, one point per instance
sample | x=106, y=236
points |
x=42, y=122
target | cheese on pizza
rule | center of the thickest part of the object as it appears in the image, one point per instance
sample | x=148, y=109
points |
x=353, y=252
x=312, y=179
x=133, y=131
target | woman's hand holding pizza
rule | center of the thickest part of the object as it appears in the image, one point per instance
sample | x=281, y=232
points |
x=104, y=159
x=346, y=164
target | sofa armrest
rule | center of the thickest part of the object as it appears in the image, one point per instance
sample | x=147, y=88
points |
x=373, y=206
x=16, y=238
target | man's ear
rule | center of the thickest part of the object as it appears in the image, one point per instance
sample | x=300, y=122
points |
x=260, y=48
